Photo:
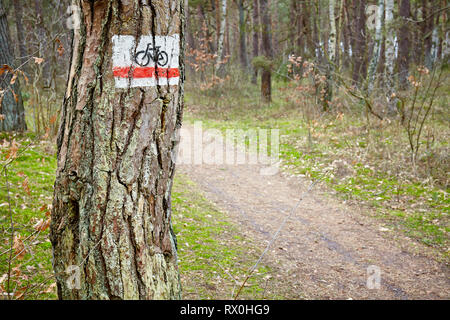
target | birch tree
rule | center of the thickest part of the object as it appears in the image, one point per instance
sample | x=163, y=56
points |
x=379, y=14
x=111, y=219
x=390, y=57
x=221, y=37
x=331, y=54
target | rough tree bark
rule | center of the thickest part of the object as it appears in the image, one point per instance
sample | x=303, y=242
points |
x=266, y=78
x=18, y=15
x=11, y=106
x=111, y=217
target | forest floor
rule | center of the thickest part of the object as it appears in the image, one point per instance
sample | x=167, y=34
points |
x=326, y=247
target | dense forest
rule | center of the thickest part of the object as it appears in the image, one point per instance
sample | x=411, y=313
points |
x=357, y=91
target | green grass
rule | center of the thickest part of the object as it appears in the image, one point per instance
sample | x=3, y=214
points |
x=33, y=271
x=376, y=154
x=211, y=251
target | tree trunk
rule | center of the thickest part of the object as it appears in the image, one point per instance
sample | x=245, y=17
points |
x=377, y=46
x=11, y=106
x=219, y=64
x=111, y=218
x=316, y=33
x=307, y=30
x=42, y=44
x=242, y=37
x=331, y=51
x=346, y=34
x=266, y=81
x=404, y=44
x=428, y=7
x=189, y=30
x=18, y=15
x=256, y=28
x=360, y=46
x=390, y=56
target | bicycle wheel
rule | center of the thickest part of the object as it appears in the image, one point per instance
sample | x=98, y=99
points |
x=142, y=58
x=163, y=59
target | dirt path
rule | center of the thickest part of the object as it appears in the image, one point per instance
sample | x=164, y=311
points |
x=326, y=247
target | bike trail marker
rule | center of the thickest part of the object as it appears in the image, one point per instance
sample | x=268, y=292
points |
x=150, y=62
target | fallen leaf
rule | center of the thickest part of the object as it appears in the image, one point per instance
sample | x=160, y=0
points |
x=38, y=60
x=19, y=247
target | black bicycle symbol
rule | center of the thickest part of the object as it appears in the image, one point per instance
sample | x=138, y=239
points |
x=154, y=54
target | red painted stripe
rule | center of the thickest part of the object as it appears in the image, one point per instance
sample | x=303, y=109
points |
x=145, y=72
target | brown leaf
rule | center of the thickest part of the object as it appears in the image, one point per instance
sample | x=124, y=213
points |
x=50, y=289
x=53, y=119
x=42, y=225
x=19, y=247
x=12, y=152
x=13, y=79
x=5, y=68
x=38, y=61
x=26, y=186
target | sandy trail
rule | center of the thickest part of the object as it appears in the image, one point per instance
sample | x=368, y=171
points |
x=326, y=247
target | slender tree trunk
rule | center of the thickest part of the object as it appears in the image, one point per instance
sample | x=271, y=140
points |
x=242, y=36
x=189, y=31
x=360, y=45
x=404, y=45
x=266, y=81
x=256, y=31
x=377, y=46
x=219, y=64
x=111, y=218
x=43, y=44
x=307, y=29
x=12, y=113
x=273, y=7
x=346, y=33
x=428, y=26
x=293, y=20
x=390, y=57
x=339, y=35
x=445, y=35
x=331, y=54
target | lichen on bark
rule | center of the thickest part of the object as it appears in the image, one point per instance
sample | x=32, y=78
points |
x=112, y=206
